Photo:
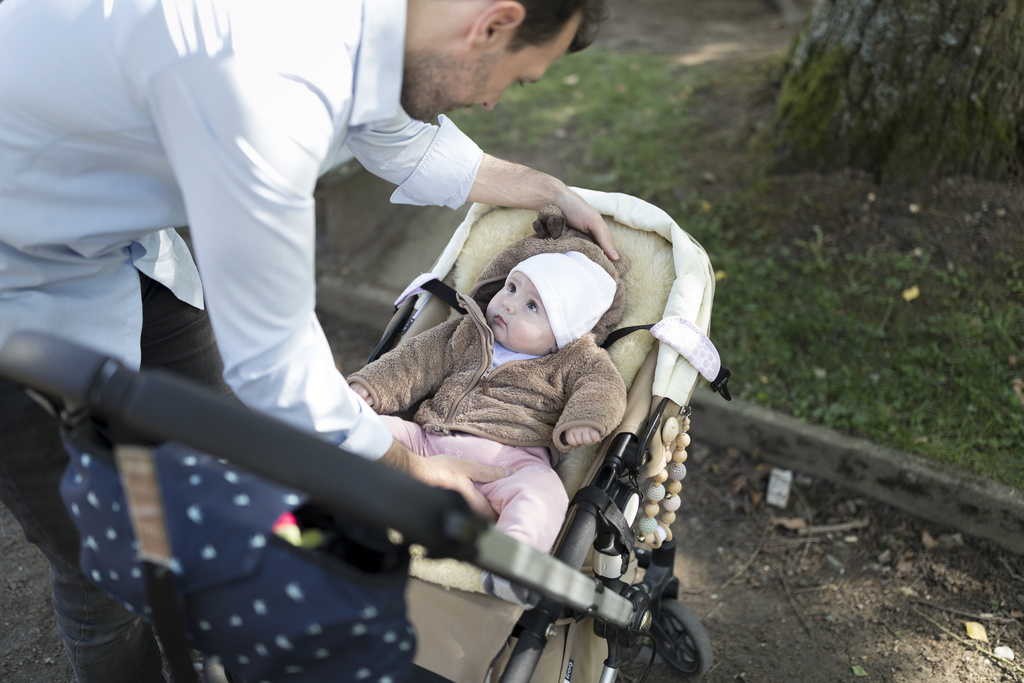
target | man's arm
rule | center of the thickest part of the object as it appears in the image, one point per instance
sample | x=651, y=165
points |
x=504, y=183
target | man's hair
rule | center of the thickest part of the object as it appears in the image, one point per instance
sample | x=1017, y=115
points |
x=546, y=18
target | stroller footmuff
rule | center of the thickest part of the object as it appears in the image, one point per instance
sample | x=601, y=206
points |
x=265, y=609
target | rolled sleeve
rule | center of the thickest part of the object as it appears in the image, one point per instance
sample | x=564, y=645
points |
x=446, y=172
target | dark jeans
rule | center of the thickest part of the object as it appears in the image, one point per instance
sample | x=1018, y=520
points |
x=105, y=642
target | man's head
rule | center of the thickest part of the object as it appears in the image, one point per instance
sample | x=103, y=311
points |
x=550, y=300
x=464, y=52
x=545, y=18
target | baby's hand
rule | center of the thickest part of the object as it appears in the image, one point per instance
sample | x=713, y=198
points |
x=581, y=436
x=363, y=393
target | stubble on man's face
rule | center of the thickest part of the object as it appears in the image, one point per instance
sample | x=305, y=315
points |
x=435, y=83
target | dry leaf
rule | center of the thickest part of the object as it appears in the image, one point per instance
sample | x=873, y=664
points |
x=791, y=523
x=976, y=631
x=720, y=275
x=927, y=541
x=904, y=567
x=911, y=294
x=1018, y=389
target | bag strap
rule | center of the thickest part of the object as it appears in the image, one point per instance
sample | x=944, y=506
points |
x=137, y=468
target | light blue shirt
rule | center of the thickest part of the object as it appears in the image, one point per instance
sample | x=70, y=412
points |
x=122, y=118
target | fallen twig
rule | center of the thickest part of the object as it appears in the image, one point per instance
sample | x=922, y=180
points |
x=1005, y=663
x=891, y=630
x=1009, y=569
x=835, y=528
x=757, y=551
x=782, y=541
x=807, y=508
x=812, y=589
x=969, y=615
x=792, y=603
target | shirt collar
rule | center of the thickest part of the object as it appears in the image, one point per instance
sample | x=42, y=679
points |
x=378, y=69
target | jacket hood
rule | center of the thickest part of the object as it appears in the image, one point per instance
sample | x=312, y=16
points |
x=553, y=235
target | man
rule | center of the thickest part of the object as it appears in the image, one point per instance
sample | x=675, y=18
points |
x=121, y=118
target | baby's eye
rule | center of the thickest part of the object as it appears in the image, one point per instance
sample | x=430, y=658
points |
x=511, y=288
x=532, y=305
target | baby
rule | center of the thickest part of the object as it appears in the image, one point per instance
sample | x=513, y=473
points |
x=514, y=386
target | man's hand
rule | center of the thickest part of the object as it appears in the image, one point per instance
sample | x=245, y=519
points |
x=448, y=472
x=503, y=183
x=581, y=436
x=585, y=218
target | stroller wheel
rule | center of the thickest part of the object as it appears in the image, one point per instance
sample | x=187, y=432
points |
x=682, y=640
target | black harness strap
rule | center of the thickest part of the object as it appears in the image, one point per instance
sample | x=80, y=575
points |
x=718, y=385
x=444, y=293
x=623, y=332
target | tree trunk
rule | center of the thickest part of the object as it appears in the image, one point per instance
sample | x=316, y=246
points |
x=907, y=89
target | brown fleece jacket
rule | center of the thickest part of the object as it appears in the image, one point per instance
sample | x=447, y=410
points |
x=521, y=403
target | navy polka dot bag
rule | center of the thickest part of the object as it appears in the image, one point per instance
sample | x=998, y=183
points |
x=268, y=611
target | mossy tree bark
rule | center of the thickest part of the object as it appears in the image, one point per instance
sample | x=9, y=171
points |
x=907, y=89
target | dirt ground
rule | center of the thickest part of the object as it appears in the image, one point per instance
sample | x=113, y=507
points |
x=880, y=596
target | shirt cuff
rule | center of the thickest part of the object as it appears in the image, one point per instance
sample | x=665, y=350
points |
x=452, y=155
x=368, y=438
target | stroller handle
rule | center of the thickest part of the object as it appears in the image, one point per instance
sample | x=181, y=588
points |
x=156, y=406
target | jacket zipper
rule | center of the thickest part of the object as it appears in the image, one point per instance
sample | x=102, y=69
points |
x=487, y=364
x=487, y=368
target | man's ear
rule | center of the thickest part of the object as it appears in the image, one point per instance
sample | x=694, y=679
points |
x=496, y=24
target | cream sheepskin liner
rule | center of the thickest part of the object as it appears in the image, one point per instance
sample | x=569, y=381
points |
x=648, y=284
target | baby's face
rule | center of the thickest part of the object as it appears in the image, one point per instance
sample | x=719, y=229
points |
x=518, y=320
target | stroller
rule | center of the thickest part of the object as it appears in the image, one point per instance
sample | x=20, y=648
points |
x=469, y=636
x=139, y=439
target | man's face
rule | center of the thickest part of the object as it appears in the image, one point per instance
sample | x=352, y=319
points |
x=518, y=320
x=435, y=81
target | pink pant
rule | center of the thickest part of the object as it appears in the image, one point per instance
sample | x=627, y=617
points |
x=530, y=503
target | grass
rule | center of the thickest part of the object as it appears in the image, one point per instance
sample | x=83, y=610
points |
x=814, y=311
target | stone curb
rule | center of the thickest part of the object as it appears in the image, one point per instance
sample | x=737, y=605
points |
x=969, y=504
